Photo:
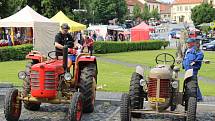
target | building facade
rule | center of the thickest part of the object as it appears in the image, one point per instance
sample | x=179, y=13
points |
x=181, y=9
x=165, y=11
x=152, y=4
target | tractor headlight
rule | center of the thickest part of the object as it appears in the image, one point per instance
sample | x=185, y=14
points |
x=142, y=82
x=67, y=76
x=175, y=84
x=22, y=75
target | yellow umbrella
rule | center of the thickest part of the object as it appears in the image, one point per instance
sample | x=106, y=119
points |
x=62, y=18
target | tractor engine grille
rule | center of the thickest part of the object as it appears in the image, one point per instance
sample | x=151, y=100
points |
x=48, y=81
x=164, y=88
x=35, y=82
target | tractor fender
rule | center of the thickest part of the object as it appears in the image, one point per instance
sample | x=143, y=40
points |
x=140, y=70
x=86, y=59
x=188, y=74
x=35, y=55
x=83, y=60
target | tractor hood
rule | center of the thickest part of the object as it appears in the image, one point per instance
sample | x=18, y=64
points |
x=161, y=72
x=56, y=65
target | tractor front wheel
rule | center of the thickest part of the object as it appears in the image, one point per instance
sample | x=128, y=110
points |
x=88, y=87
x=191, y=109
x=125, y=108
x=33, y=106
x=12, y=106
x=26, y=81
x=136, y=93
x=76, y=107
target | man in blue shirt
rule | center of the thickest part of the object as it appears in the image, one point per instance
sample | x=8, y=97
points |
x=193, y=60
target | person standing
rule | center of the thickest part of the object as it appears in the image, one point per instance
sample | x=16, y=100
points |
x=193, y=60
x=89, y=43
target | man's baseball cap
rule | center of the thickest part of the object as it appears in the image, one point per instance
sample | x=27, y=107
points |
x=65, y=26
x=190, y=40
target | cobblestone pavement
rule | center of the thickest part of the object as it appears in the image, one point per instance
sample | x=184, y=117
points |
x=104, y=110
x=107, y=109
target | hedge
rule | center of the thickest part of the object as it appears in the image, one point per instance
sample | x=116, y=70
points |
x=115, y=47
x=14, y=52
x=100, y=47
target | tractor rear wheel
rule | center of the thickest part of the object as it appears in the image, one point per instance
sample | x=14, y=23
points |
x=12, y=106
x=125, y=113
x=76, y=107
x=136, y=93
x=33, y=106
x=88, y=87
x=191, y=109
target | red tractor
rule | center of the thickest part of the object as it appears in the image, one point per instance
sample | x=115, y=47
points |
x=50, y=81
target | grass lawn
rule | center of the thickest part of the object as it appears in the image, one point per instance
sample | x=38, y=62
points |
x=9, y=71
x=112, y=77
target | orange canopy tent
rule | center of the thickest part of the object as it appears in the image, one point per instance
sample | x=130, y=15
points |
x=140, y=32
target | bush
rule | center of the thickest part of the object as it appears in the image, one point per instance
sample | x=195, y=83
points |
x=14, y=52
x=115, y=47
x=165, y=44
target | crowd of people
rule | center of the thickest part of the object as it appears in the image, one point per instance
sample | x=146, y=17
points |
x=11, y=37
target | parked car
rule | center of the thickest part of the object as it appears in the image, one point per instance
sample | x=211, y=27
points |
x=207, y=40
x=175, y=33
x=195, y=34
x=156, y=36
x=173, y=22
x=209, y=46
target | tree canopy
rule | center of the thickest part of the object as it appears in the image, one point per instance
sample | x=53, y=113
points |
x=203, y=13
x=137, y=12
x=109, y=9
x=146, y=14
x=100, y=10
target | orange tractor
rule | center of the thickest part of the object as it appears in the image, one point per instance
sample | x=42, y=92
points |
x=50, y=81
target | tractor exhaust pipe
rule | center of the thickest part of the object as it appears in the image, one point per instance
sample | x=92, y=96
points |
x=65, y=58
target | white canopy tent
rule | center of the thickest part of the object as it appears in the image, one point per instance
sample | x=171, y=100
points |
x=44, y=30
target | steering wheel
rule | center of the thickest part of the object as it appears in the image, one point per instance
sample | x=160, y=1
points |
x=49, y=54
x=167, y=58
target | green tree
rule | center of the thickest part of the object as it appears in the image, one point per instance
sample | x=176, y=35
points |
x=109, y=9
x=4, y=4
x=155, y=14
x=121, y=9
x=146, y=14
x=8, y=7
x=203, y=13
x=137, y=12
x=51, y=7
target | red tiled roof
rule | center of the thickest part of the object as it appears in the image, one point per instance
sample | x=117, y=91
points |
x=165, y=8
x=134, y=2
x=131, y=2
x=187, y=1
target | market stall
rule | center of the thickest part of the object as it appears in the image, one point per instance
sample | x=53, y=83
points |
x=44, y=30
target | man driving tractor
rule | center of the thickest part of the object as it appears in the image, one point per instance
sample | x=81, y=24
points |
x=64, y=38
x=193, y=60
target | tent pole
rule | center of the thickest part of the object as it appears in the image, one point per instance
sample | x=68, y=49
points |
x=33, y=37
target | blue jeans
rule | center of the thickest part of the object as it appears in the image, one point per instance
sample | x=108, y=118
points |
x=199, y=94
x=72, y=57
